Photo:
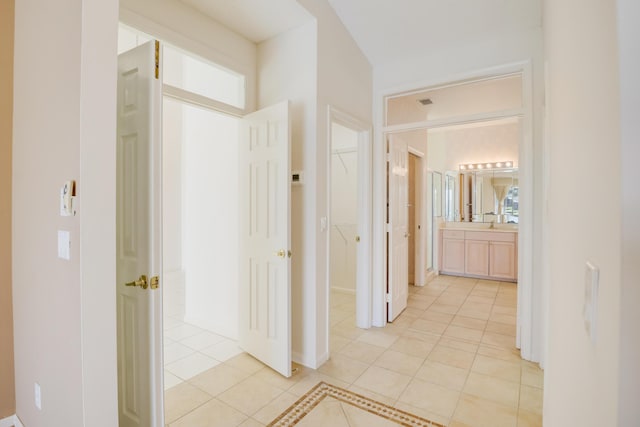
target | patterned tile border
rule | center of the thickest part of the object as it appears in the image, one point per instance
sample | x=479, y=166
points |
x=313, y=397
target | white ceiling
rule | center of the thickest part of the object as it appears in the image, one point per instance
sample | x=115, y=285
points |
x=387, y=30
x=257, y=20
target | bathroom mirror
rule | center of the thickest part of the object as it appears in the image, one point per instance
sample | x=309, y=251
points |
x=482, y=196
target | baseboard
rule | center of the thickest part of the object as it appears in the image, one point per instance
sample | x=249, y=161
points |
x=211, y=327
x=322, y=359
x=12, y=421
x=343, y=290
x=300, y=359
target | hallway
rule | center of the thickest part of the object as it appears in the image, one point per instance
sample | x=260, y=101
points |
x=449, y=357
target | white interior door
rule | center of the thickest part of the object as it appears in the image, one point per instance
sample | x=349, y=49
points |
x=265, y=264
x=139, y=238
x=398, y=233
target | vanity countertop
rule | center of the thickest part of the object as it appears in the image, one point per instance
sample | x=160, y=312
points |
x=482, y=227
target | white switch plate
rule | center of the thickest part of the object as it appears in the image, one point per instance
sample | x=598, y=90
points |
x=590, y=310
x=38, y=396
x=64, y=244
x=323, y=223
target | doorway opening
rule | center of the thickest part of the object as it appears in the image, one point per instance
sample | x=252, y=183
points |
x=471, y=110
x=343, y=233
x=200, y=239
x=349, y=197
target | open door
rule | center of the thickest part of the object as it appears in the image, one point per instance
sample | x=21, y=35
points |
x=398, y=233
x=139, y=237
x=265, y=256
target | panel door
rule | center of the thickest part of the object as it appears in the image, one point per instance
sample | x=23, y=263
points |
x=139, y=237
x=265, y=264
x=502, y=260
x=476, y=257
x=398, y=242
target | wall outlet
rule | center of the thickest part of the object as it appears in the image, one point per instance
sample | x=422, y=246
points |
x=38, y=396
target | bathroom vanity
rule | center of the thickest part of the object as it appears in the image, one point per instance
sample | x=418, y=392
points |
x=479, y=235
x=479, y=252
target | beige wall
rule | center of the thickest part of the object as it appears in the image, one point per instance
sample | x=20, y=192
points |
x=582, y=377
x=7, y=396
x=64, y=128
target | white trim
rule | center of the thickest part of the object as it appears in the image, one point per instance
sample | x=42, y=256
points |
x=364, y=285
x=456, y=121
x=308, y=361
x=201, y=101
x=415, y=152
x=529, y=342
x=11, y=421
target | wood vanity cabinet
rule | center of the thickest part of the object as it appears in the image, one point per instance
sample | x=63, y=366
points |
x=486, y=254
x=476, y=257
x=452, y=252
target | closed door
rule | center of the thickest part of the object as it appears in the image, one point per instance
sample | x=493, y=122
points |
x=398, y=281
x=265, y=242
x=139, y=237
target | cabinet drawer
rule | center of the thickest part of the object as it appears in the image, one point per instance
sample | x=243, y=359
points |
x=453, y=234
x=490, y=236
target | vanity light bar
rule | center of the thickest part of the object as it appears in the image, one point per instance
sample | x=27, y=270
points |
x=491, y=165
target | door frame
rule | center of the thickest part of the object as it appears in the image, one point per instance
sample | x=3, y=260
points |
x=364, y=290
x=421, y=210
x=530, y=336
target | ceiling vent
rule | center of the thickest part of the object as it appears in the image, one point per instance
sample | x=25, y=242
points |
x=426, y=101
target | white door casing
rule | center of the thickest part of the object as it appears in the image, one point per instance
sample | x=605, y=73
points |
x=139, y=237
x=398, y=284
x=364, y=216
x=265, y=258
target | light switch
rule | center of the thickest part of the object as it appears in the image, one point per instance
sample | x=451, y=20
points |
x=64, y=244
x=590, y=310
x=323, y=223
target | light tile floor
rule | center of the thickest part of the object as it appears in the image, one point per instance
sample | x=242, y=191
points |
x=449, y=357
x=188, y=349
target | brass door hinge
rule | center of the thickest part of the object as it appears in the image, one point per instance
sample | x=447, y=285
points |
x=157, y=59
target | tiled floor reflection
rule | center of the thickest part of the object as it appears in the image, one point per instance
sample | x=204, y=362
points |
x=449, y=357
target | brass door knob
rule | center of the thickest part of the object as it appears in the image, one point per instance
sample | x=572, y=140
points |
x=358, y=239
x=281, y=253
x=142, y=282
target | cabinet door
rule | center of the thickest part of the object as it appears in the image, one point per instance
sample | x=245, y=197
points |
x=453, y=256
x=502, y=260
x=476, y=257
